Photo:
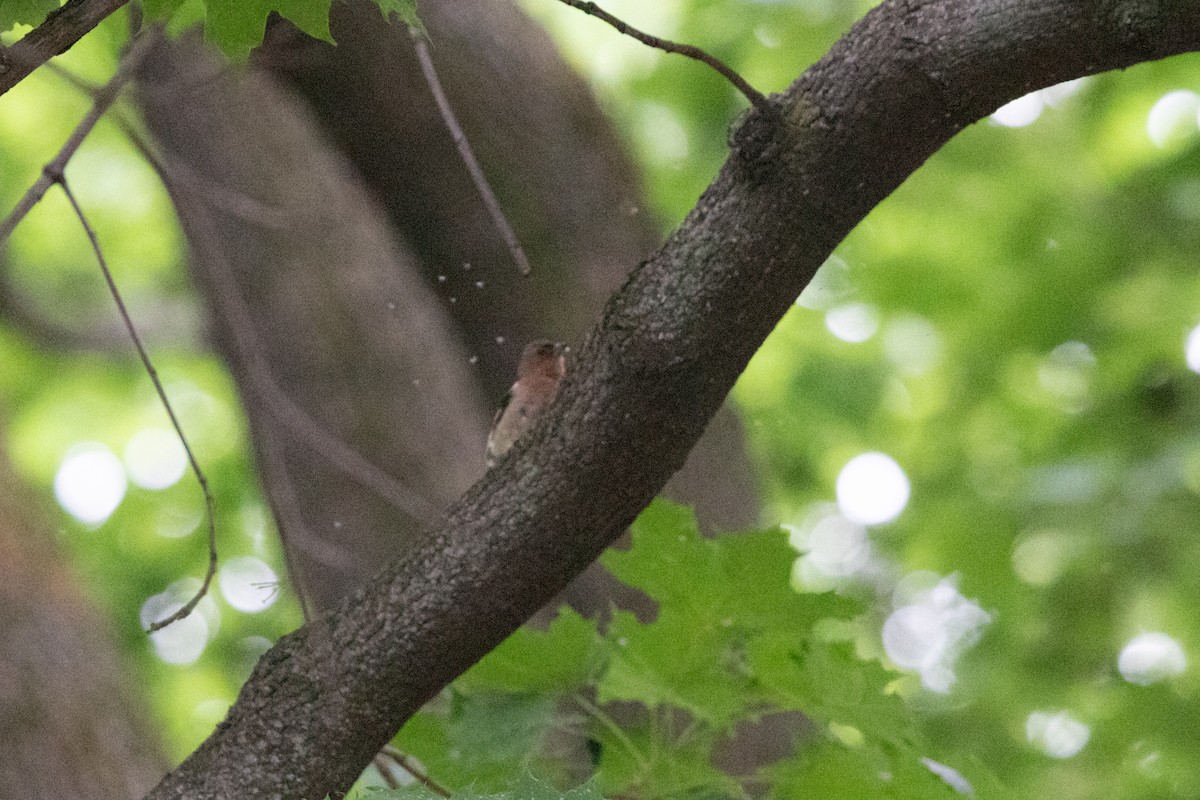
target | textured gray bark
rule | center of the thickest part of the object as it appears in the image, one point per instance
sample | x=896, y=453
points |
x=671, y=343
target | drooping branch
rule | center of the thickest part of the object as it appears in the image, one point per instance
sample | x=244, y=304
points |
x=61, y=29
x=672, y=341
x=209, y=514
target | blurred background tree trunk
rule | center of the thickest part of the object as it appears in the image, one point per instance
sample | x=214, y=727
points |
x=348, y=260
x=73, y=723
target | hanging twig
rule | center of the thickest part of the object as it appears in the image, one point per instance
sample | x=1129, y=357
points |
x=60, y=179
x=53, y=173
x=467, y=155
x=756, y=98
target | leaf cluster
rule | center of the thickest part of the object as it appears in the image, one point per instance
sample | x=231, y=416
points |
x=645, y=709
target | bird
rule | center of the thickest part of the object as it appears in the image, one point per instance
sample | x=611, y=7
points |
x=539, y=373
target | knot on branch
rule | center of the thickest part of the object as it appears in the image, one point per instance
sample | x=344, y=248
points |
x=756, y=139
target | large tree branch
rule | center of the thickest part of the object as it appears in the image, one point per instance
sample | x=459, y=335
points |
x=61, y=29
x=671, y=343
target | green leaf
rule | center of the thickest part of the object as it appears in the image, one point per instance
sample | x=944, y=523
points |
x=482, y=739
x=406, y=10
x=564, y=657
x=527, y=787
x=24, y=12
x=829, y=769
x=716, y=598
x=237, y=26
x=159, y=10
x=640, y=759
x=832, y=685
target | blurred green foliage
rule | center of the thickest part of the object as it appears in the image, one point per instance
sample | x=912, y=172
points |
x=1021, y=307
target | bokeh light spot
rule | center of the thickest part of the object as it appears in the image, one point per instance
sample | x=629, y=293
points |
x=1151, y=657
x=1192, y=349
x=155, y=459
x=182, y=642
x=912, y=343
x=90, y=483
x=1057, y=735
x=1020, y=112
x=872, y=489
x=1173, y=117
x=854, y=322
x=830, y=286
x=248, y=584
x=1066, y=374
x=832, y=548
x=929, y=632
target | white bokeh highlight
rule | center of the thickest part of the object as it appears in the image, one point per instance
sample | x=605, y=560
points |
x=912, y=344
x=931, y=629
x=1067, y=374
x=1191, y=349
x=155, y=459
x=1151, y=657
x=1020, y=112
x=853, y=322
x=953, y=778
x=90, y=483
x=183, y=641
x=248, y=584
x=1026, y=110
x=872, y=489
x=1058, y=735
x=1173, y=117
x=829, y=287
x=832, y=549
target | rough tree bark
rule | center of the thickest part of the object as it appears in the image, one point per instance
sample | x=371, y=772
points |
x=62, y=28
x=668, y=348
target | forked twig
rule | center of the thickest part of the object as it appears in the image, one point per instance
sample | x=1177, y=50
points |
x=756, y=98
x=186, y=608
x=103, y=98
x=468, y=155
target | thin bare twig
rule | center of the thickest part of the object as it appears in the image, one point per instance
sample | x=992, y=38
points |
x=187, y=608
x=409, y=765
x=756, y=98
x=467, y=155
x=104, y=97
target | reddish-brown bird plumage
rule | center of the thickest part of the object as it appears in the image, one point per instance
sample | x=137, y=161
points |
x=539, y=372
